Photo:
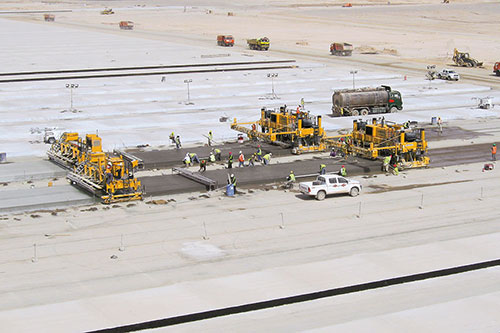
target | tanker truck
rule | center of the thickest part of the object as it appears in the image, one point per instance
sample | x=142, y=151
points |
x=364, y=101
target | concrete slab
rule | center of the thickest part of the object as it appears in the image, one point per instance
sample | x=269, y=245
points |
x=191, y=297
x=42, y=198
x=29, y=169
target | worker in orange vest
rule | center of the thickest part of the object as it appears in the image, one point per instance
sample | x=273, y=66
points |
x=494, y=152
x=241, y=159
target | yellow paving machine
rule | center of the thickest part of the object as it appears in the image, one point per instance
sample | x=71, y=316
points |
x=302, y=132
x=406, y=144
x=111, y=177
x=288, y=128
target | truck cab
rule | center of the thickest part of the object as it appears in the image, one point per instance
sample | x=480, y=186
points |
x=225, y=40
x=496, y=68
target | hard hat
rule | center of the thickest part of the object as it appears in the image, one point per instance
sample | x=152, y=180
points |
x=291, y=171
x=342, y=166
x=232, y=175
x=258, y=146
x=230, y=153
x=241, y=152
x=271, y=154
x=494, y=144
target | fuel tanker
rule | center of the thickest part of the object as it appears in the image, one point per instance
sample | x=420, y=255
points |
x=364, y=101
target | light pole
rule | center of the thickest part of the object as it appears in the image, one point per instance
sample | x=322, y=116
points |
x=353, y=74
x=71, y=86
x=272, y=76
x=188, y=81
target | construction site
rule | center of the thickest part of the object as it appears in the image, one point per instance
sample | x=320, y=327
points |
x=249, y=166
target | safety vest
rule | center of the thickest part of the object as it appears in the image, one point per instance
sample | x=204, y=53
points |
x=210, y=136
x=217, y=151
x=292, y=177
x=259, y=151
x=241, y=158
x=233, y=181
x=230, y=158
x=494, y=149
x=212, y=157
x=343, y=172
x=322, y=166
x=192, y=155
x=187, y=160
x=387, y=160
x=267, y=157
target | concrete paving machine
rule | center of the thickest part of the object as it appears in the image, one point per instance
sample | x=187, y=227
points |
x=378, y=139
x=295, y=129
x=463, y=59
x=108, y=176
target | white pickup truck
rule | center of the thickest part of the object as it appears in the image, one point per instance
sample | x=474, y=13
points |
x=330, y=184
x=448, y=74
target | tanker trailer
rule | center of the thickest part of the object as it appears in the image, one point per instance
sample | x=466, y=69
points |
x=364, y=101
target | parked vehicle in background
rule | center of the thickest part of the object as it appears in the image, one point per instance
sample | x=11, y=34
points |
x=261, y=44
x=364, y=101
x=49, y=17
x=496, y=68
x=225, y=40
x=448, y=74
x=341, y=49
x=126, y=25
x=107, y=11
x=330, y=184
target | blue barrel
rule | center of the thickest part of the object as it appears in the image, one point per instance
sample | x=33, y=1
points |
x=230, y=190
x=434, y=121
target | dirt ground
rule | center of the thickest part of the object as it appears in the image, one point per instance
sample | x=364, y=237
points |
x=419, y=31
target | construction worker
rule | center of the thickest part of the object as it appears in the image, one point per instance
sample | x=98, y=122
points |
x=302, y=103
x=217, y=152
x=290, y=180
x=194, y=158
x=322, y=169
x=241, y=160
x=387, y=161
x=211, y=158
x=440, y=125
x=232, y=181
x=494, y=152
x=252, y=159
x=172, y=138
x=343, y=171
x=259, y=153
x=395, y=169
x=187, y=160
x=178, y=142
x=203, y=166
x=267, y=158
x=230, y=161
x=210, y=138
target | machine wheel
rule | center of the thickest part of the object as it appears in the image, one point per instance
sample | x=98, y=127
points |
x=354, y=192
x=52, y=140
x=321, y=195
x=355, y=112
x=364, y=112
x=393, y=109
